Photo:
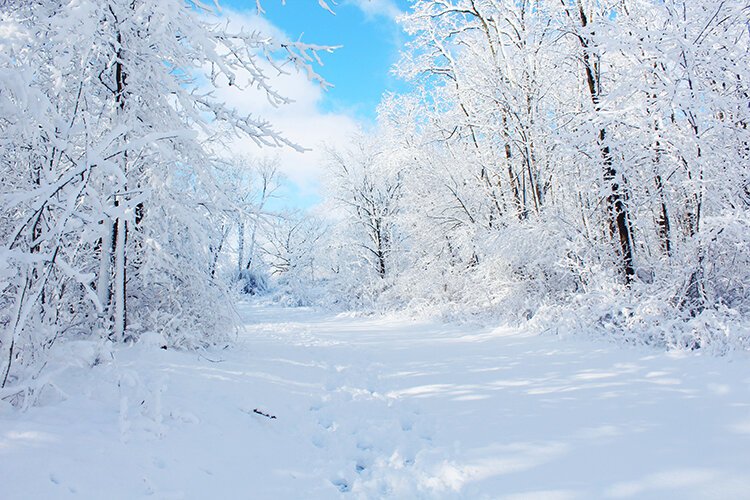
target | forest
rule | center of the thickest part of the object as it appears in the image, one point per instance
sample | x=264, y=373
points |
x=560, y=194
x=583, y=164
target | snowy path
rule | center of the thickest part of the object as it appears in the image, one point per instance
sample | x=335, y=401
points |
x=378, y=408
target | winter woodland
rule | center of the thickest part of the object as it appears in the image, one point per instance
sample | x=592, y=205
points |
x=571, y=165
x=579, y=164
x=529, y=276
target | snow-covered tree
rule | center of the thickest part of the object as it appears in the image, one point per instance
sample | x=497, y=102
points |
x=368, y=187
x=108, y=192
x=560, y=149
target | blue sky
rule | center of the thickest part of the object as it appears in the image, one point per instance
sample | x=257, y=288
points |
x=360, y=72
x=370, y=39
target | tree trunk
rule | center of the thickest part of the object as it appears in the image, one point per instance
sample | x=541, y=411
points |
x=104, y=280
x=120, y=231
x=240, y=246
x=620, y=227
x=120, y=284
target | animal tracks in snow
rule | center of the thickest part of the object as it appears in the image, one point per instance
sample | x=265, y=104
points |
x=375, y=434
x=379, y=408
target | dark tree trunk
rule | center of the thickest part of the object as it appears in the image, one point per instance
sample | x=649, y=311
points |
x=620, y=226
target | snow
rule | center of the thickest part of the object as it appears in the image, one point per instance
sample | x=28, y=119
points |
x=383, y=407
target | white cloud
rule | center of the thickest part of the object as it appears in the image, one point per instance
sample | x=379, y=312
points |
x=375, y=8
x=302, y=121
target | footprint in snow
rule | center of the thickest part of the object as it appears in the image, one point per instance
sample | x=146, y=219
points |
x=318, y=441
x=342, y=485
x=364, y=446
x=56, y=480
x=327, y=424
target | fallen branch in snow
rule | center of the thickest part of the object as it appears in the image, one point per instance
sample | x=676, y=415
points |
x=267, y=415
x=211, y=360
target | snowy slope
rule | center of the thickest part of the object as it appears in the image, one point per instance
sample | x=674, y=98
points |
x=386, y=408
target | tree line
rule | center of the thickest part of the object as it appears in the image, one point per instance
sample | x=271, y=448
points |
x=582, y=154
x=114, y=197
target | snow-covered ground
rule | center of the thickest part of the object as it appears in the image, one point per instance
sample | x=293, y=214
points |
x=386, y=408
